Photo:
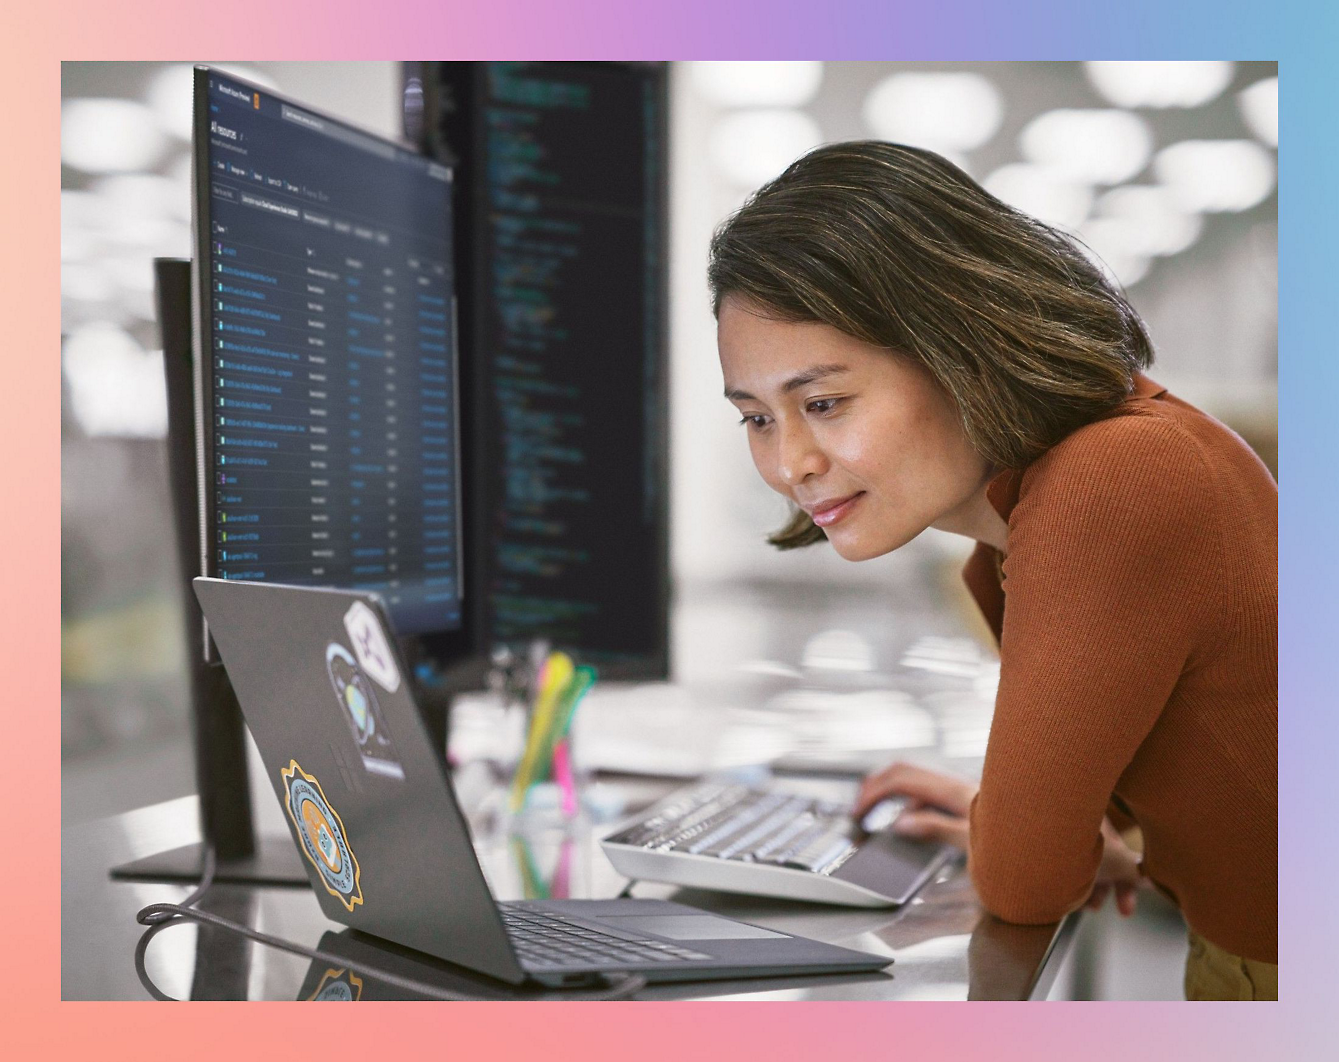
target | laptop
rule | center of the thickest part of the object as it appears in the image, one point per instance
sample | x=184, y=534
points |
x=338, y=977
x=370, y=806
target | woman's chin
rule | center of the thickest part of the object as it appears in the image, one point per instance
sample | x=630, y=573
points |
x=850, y=545
x=857, y=548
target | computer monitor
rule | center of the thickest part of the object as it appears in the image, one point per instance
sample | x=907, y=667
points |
x=561, y=183
x=327, y=392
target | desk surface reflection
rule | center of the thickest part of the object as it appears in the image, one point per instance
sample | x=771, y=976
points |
x=940, y=946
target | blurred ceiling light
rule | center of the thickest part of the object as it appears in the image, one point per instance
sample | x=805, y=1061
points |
x=1259, y=105
x=85, y=282
x=139, y=213
x=1112, y=245
x=76, y=245
x=116, y=387
x=752, y=147
x=179, y=171
x=147, y=238
x=170, y=97
x=757, y=84
x=1160, y=84
x=81, y=217
x=1159, y=225
x=958, y=159
x=1041, y=191
x=108, y=135
x=133, y=277
x=1094, y=145
x=945, y=112
x=132, y=272
x=1216, y=175
x=143, y=196
x=82, y=211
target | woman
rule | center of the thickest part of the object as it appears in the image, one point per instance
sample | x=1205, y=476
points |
x=907, y=352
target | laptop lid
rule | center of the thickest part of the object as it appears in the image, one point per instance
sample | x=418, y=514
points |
x=366, y=795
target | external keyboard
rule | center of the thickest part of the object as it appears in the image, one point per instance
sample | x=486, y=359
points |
x=546, y=940
x=768, y=842
x=748, y=825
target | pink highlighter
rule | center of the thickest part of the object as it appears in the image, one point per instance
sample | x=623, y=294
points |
x=562, y=774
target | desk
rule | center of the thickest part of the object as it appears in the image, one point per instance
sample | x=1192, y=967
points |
x=942, y=945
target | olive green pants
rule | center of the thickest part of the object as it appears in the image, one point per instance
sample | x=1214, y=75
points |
x=1212, y=973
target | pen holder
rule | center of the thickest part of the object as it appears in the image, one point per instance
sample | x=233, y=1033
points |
x=544, y=790
x=549, y=795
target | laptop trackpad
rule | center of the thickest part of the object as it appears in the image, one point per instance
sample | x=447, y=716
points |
x=687, y=927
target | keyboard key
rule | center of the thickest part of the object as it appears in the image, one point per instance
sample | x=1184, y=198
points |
x=550, y=941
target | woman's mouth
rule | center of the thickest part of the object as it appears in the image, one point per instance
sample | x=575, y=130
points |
x=830, y=510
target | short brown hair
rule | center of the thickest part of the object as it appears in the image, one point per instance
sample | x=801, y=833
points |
x=896, y=246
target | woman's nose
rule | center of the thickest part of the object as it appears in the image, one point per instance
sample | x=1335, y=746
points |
x=799, y=456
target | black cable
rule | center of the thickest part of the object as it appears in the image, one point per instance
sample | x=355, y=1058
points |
x=207, y=870
x=159, y=916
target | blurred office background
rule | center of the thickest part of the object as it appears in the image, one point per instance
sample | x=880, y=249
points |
x=1167, y=171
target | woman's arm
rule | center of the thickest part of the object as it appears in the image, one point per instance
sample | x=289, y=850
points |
x=936, y=810
x=1110, y=580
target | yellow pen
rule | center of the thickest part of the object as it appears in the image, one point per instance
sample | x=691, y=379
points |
x=557, y=673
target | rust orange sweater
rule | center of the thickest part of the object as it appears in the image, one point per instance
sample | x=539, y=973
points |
x=1138, y=630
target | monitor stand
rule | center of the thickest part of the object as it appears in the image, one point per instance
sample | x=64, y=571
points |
x=241, y=857
x=219, y=734
x=272, y=861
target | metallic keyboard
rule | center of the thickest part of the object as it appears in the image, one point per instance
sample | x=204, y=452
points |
x=738, y=823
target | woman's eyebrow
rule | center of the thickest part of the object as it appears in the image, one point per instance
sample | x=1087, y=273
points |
x=817, y=372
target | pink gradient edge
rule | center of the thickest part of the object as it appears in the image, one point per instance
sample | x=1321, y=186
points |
x=36, y=38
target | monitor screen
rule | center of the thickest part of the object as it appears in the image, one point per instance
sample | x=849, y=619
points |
x=561, y=183
x=326, y=355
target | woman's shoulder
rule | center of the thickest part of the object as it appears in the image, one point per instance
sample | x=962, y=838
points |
x=1151, y=434
x=1154, y=454
x=1138, y=434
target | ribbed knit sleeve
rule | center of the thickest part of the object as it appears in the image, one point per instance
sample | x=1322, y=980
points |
x=1110, y=584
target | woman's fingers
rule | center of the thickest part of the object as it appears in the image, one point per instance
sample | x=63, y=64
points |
x=934, y=826
x=918, y=785
x=1126, y=896
x=1098, y=896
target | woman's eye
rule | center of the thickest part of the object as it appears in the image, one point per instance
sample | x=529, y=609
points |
x=755, y=421
x=823, y=405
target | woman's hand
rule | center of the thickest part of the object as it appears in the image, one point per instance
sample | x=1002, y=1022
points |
x=1119, y=871
x=936, y=810
x=936, y=804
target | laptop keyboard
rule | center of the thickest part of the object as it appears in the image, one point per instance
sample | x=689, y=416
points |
x=545, y=939
x=748, y=825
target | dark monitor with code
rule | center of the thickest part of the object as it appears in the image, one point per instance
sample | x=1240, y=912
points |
x=561, y=177
x=327, y=399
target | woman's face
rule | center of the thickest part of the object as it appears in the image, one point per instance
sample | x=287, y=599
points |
x=862, y=439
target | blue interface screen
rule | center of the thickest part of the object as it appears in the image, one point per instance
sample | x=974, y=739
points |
x=330, y=384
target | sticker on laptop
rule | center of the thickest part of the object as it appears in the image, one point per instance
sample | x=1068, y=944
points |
x=338, y=986
x=321, y=834
x=370, y=645
x=362, y=712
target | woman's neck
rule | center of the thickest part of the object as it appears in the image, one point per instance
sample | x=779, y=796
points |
x=976, y=518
